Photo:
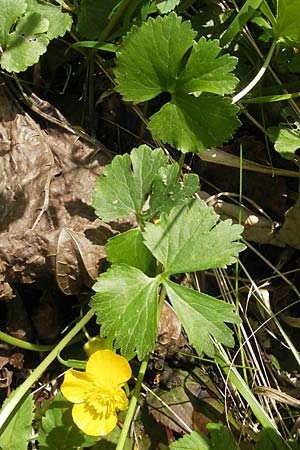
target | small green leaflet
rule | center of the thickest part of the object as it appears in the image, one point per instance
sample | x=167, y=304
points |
x=126, y=298
x=165, y=6
x=286, y=140
x=57, y=430
x=150, y=62
x=122, y=190
x=195, y=124
x=208, y=316
x=168, y=192
x=129, y=248
x=287, y=28
x=206, y=71
x=24, y=46
x=190, y=239
x=10, y=12
x=16, y=434
x=59, y=22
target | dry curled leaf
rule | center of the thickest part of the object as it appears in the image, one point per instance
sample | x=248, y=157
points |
x=77, y=261
x=46, y=217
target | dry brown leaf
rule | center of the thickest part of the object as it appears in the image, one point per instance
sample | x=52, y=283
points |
x=47, y=179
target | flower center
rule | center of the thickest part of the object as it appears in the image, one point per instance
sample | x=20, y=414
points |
x=105, y=400
x=100, y=399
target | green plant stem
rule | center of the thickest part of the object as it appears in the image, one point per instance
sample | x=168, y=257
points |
x=33, y=377
x=181, y=163
x=23, y=344
x=259, y=75
x=132, y=404
x=111, y=24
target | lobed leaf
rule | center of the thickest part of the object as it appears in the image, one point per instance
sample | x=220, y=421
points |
x=206, y=71
x=150, y=58
x=190, y=239
x=125, y=304
x=123, y=188
x=195, y=124
x=208, y=316
x=151, y=61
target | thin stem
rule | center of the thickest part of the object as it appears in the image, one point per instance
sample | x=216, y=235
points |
x=23, y=344
x=256, y=79
x=113, y=21
x=132, y=404
x=21, y=391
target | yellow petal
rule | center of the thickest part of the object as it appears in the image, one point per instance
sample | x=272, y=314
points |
x=92, y=423
x=121, y=401
x=75, y=385
x=108, y=368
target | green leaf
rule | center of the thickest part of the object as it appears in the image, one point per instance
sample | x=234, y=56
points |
x=287, y=24
x=58, y=431
x=264, y=442
x=26, y=44
x=126, y=299
x=286, y=140
x=195, y=124
x=96, y=45
x=17, y=433
x=150, y=58
x=221, y=437
x=168, y=192
x=93, y=16
x=206, y=71
x=122, y=190
x=202, y=317
x=193, y=441
x=165, y=6
x=150, y=62
x=10, y=12
x=129, y=248
x=190, y=239
x=59, y=22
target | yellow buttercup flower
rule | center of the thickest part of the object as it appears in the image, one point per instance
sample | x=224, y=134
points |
x=97, y=392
